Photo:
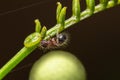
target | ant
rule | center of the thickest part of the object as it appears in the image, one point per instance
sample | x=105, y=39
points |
x=55, y=42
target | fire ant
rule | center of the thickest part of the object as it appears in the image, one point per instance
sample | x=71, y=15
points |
x=55, y=42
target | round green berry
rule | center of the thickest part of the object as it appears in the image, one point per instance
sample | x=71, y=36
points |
x=58, y=65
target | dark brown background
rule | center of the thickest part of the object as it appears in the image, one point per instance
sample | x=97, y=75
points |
x=95, y=40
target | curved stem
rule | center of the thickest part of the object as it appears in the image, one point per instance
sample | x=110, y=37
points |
x=24, y=52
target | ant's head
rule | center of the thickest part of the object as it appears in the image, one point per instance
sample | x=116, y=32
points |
x=61, y=37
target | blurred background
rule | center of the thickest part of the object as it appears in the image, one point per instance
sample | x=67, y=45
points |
x=95, y=41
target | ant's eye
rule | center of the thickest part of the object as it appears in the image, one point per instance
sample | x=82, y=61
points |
x=61, y=38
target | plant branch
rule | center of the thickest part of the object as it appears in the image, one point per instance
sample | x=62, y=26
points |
x=33, y=40
x=72, y=20
x=24, y=52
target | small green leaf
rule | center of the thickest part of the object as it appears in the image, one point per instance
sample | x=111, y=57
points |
x=61, y=18
x=32, y=40
x=115, y=2
x=90, y=6
x=118, y=1
x=43, y=32
x=76, y=9
x=59, y=7
x=38, y=26
x=104, y=3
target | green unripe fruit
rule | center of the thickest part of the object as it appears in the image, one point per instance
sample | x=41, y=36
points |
x=58, y=65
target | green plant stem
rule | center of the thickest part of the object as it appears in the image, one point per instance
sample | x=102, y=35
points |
x=51, y=32
x=24, y=52
x=72, y=20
